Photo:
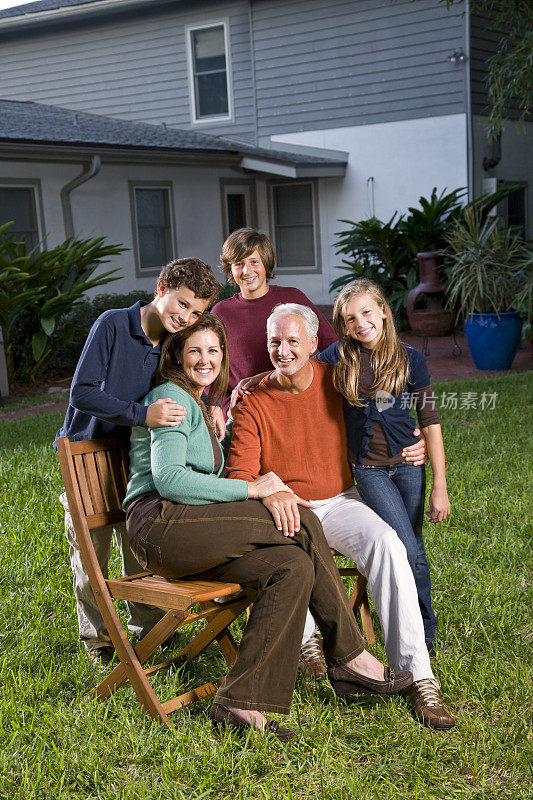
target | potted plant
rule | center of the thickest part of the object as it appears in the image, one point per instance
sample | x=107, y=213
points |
x=488, y=270
x=425, y=229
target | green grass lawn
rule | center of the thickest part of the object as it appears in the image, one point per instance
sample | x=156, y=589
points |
x=55, y=742
x=21, y=402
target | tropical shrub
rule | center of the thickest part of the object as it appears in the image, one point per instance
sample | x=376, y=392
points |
x=386, y=252
x=37, y=288
x=65, y=353
x=488, y=267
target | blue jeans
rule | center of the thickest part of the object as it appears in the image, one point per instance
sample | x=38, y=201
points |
x=396, y=492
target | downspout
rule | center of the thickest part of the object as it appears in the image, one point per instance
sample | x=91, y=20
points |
x=252, y=65
x=469, y=116
x=86, y=175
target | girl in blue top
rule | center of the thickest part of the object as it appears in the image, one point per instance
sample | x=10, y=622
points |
x=380, y=378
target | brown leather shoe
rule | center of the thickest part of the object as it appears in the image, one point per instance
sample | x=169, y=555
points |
x=311, y=662
x=427, y=705
x=221, y=715
x=346, y=681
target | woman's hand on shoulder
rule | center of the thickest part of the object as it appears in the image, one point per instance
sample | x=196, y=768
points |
x=164, y=413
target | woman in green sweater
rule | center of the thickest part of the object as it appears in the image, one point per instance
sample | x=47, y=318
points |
x=184, y=518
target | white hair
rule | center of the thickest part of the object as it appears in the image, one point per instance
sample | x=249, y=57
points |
x=306, y=313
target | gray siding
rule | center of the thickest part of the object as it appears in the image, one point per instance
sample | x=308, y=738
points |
x=131, y=67
x=483, y=45
x=334, y=63
x=317, y=64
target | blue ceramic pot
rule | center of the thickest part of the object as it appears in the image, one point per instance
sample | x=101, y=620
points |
x=492, y=339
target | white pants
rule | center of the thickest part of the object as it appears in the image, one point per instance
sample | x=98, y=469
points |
x=356, y=531
x=92, y=631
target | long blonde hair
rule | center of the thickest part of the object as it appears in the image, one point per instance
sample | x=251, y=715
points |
x=389, y=359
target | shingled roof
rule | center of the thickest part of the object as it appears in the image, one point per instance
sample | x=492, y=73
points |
x=29, y=122
x=43, y=5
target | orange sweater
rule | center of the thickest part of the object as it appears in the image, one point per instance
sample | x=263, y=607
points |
x=300, y=437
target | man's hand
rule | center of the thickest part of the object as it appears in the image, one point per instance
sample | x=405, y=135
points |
x=284, y=509
x=217, y=415
x=245, y=386
x=164, y=413
x=417, y=452
x=265, y=485
x=439, y=505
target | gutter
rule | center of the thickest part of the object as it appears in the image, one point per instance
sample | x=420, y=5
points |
x=86, y=175
x=67, y=13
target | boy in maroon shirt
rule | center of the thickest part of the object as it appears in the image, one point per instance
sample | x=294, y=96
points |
x=248, y=260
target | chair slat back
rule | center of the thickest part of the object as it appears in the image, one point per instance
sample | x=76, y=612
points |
x=99, y=470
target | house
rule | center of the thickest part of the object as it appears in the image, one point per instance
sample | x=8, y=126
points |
x=163, y=124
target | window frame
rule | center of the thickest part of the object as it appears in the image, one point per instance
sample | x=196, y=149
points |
x=35, y=185
x=316, y=269
x=168, y=187
x=189, y=29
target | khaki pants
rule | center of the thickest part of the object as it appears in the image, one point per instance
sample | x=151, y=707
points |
x=239, y=542
x=92, y=632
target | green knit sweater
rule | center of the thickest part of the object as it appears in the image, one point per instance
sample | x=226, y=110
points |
x=178, y=462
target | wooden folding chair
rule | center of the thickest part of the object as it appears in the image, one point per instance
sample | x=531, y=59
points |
x=95, y=477
x=359, y=598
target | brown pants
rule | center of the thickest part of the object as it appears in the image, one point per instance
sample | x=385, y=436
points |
x=239, y=542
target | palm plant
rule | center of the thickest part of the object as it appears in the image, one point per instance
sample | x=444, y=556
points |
x=37, y=288
x=488, y=267
x=425, y=228
x=386, y=252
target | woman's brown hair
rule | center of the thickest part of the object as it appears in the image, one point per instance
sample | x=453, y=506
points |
x=389, y=359
x=240, y=244
x=171, y=368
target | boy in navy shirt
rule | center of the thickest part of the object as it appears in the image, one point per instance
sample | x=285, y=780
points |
x=113, y=375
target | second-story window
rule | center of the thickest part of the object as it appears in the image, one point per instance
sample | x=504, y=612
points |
x=208, y=66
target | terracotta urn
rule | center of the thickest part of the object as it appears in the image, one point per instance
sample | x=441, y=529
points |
x=433, y=319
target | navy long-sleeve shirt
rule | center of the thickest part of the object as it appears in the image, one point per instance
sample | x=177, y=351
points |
x=113, y=375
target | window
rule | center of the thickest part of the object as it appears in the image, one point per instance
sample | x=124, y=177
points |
x=153, y=237
x=18, y=205
x=208, y=71
x=238, y=205
x=293, y=211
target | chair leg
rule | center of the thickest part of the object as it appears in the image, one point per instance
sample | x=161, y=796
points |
x=139, y=682
x=228, y=645
x=359, y=602
x=143, y=650
x=217, y=627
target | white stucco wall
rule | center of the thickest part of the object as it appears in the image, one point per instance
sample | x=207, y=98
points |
x=101, y=207
x=406, y=160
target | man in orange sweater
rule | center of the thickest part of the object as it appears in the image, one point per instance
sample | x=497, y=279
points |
x=292, y=424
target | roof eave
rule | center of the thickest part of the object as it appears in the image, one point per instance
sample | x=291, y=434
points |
x=286, y=169
x=32, y=150
x=67, y=13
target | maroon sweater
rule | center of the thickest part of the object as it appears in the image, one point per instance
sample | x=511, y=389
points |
x=245, y=322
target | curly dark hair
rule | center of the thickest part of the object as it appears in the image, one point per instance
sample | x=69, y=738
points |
x=241, y=244
x=194, y=275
